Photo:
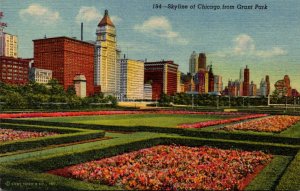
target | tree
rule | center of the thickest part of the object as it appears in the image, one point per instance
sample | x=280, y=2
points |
x=15, y=100
x=164, y=99
x=71, y=90
x=55, y=87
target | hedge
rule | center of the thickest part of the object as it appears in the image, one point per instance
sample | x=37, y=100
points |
x=180, y=131
x=291, y=178
x=41, y=164
x=268, y=178
x=39, y=128
x=75, y=157
x=73, y=135
x=12, y=179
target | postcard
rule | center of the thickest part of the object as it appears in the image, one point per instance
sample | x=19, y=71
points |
x=149, y=95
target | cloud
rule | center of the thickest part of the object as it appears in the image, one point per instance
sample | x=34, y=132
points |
x=115, y=19
x=87, y=14
x=39, y=14
x=92, y=14
x=275, y=51
x=160, y=26
x=244, y=45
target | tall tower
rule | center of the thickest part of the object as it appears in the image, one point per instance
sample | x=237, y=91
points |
x=246, y=81
x=210, y=80
x=268, y=85
x=106, y=67
x=193, y=63
x=202, y=61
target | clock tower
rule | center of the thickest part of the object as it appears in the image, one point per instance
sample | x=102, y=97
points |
x=106, y=67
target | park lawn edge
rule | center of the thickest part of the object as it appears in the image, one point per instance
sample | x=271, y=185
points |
x=42, y=164
x=68, y=135
x=214, y=134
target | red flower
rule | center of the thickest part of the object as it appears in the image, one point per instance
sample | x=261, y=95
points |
x=173, y=168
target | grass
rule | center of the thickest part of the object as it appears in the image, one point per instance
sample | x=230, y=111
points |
x=293, y=131
x=268, y=177
x=291, y=179
x=153, y=120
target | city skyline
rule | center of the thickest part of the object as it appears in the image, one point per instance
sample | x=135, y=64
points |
x=264, y=40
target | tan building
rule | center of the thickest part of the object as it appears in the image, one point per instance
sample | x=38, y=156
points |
x=131, y=79
x=80, y=85
x=252, y=89
x=178, y=81
x=106, y=70
x=8, y=45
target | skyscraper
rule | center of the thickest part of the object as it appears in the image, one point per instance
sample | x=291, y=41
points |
x=200, y=81
x=193, y=63
x=131, y=79
x=263, y=87
x=268, y=85
x=210, y=79
x=252, y=89
x=246, y=81
x=218, y=84
x=8, y=45
x=202, y=61
x=106, y=71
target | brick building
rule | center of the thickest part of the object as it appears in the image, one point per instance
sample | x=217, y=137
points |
x=66, y=57
x=14, y=70
x=246, y=84
x=163, y=75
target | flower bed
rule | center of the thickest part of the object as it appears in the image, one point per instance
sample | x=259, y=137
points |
x=64, y=114
x=172, y=168
x=200, y=112
x=82, y=113
x=275, y=123
x=12, y=135
x=219, y=122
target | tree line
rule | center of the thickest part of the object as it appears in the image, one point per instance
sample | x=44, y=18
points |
x=48, y=96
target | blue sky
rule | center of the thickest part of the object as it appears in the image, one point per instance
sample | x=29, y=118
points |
x=268, y=41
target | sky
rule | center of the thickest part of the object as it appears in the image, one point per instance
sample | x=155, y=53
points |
x=267, y=40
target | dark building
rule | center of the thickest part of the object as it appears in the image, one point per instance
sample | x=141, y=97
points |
x=202, y=61
x=295, y=93
x=211, y=80
x=14, y=70
x=67, y=58
x=200, y=81
x=163, y=75
x=246, y=82
x=268, y=85
x=283, y=86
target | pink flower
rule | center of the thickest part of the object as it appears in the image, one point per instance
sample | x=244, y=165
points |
x=12, y=135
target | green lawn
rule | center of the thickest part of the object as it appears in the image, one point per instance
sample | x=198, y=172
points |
x=153, y=120
x=293, y=131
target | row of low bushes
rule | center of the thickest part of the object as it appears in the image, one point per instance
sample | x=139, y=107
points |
x=38, y=128
x=68, y=136
x=268, y=178
x=46, y=163
x=291, y=178
x=12, y=179
x=186, y=132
